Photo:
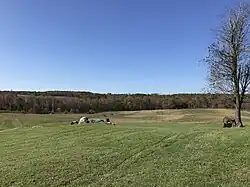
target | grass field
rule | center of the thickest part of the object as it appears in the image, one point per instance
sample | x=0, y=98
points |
x=145, y=148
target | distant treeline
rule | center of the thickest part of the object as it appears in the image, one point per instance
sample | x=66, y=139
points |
x=87, y=102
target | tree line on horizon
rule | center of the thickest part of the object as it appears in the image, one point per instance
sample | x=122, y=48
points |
x=87, y=102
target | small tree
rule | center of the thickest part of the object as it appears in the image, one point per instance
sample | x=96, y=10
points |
x=228, y=58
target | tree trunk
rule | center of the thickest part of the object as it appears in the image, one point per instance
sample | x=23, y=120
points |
x=238, y=104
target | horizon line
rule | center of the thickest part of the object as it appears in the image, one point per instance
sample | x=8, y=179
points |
x=112, y=93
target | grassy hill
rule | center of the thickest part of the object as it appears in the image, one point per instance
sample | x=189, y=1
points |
x=145, y=148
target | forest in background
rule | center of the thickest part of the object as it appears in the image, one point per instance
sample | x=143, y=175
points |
x=87, y=102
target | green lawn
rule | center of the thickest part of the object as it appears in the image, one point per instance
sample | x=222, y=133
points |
x=189, y=150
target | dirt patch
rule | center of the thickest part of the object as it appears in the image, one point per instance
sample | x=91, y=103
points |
x=170, y=117
x=149, y=117
x=242, y=172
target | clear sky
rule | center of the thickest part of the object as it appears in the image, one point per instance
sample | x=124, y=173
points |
x=117, y=46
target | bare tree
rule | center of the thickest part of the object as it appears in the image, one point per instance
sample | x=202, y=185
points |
x=228, y=58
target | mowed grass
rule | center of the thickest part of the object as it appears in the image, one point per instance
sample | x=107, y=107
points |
x=145, y=148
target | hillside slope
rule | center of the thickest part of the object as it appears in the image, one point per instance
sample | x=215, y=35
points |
x=199, y=116
x=189, y=150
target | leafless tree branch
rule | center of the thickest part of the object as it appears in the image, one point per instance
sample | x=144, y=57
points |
x=228, y=60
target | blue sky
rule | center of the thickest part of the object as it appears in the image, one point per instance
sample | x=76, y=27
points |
x=117, y=46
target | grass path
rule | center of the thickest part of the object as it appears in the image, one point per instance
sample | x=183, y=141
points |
x=125, y=156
